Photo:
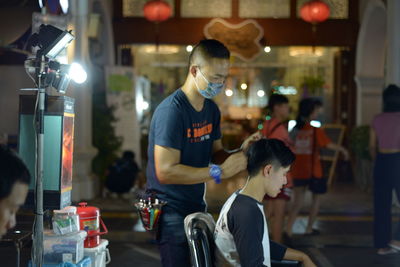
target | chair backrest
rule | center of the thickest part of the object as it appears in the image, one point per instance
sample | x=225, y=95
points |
x=199, y=229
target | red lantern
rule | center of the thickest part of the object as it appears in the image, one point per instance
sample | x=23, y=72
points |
x=315, y=11
x=157, y=11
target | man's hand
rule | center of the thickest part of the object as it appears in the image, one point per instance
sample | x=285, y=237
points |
x=252, y=138
x=234, y=164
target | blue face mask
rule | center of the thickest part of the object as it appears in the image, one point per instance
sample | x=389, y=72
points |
x=211, y=90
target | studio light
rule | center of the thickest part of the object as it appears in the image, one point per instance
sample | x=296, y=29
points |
x=77, y=73
x=51, y=40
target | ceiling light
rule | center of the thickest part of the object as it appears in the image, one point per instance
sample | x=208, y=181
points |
x=228, y=92
x=260, y=93
x=189, y=48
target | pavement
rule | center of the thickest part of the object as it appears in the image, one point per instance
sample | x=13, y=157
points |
x=345, y=225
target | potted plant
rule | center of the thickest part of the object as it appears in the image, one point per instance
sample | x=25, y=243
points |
x=359, y=144
x=312, y=86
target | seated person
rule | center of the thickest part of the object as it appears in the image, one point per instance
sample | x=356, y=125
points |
x=241, y=232
x=14, y=181
x=122, y=174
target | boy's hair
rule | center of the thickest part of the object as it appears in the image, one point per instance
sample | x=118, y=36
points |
x=207, y=49
x=391, y=99
x=12, y=170
x=268, y=151
x=276, y=99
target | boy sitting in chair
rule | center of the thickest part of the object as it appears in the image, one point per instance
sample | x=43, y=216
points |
x=241, y=232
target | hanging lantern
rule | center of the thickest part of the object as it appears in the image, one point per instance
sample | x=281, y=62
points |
x=315, y=11
x=157, y=11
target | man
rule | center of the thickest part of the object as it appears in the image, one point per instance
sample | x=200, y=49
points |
x=241, y=232
x=14, y=181
x=184, y=135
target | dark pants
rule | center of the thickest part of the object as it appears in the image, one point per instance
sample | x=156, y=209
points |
x=386, y=178
x=172, y=241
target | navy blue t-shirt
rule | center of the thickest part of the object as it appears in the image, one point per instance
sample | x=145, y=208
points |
x=176, y=124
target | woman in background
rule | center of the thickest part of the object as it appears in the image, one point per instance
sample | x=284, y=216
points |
x=385, y=150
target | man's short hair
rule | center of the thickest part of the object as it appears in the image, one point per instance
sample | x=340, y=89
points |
x=276, y=99
x=268, y=151
x=12, y=170
x=208, y=49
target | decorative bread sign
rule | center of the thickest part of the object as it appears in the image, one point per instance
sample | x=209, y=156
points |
x=243, y=39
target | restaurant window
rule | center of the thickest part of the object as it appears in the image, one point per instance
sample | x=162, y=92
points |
x=264, y=8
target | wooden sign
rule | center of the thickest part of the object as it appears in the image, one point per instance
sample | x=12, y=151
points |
x=336, y=133
x=243, y=39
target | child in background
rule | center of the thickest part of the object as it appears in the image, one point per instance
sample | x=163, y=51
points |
x=307, y=169
x=275, y=127
x=241, y=232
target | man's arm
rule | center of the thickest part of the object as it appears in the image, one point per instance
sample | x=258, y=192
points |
x=170, y=171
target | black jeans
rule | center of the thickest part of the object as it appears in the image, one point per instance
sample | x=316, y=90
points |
x=386, y=178
x=171, y=239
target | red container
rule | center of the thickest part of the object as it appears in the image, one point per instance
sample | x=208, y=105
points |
x=90, y=220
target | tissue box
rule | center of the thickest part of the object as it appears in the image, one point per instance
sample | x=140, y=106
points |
x=63, y=248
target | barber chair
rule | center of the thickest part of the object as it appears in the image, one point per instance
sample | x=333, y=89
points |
x=199, y=229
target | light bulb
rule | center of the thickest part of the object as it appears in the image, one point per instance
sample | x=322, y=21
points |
x=228, y=92
x=189, y=48
x=77, y=73
x=260, y=93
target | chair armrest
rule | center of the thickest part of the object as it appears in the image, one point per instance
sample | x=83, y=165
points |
x=285, y=263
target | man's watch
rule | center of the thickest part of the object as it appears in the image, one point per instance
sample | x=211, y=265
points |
x=215, y=172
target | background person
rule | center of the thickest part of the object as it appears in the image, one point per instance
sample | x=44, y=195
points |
x=385, y=150
x=276, y=127
x=14, y=185
x=123, y=174
x=307, y=169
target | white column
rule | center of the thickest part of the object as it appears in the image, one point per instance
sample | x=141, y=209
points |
x=369, y=98
x=393, y=43
x=83, y=186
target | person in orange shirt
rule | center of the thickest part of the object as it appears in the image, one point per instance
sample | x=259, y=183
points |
x=276, y=128
x=307, y=169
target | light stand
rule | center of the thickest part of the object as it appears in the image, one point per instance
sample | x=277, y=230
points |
x=38, y=227
x=51, y=42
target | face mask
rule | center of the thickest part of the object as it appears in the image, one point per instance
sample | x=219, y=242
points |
x=211, y=90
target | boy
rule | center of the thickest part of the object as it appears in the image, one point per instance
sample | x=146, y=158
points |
x=241, y=232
